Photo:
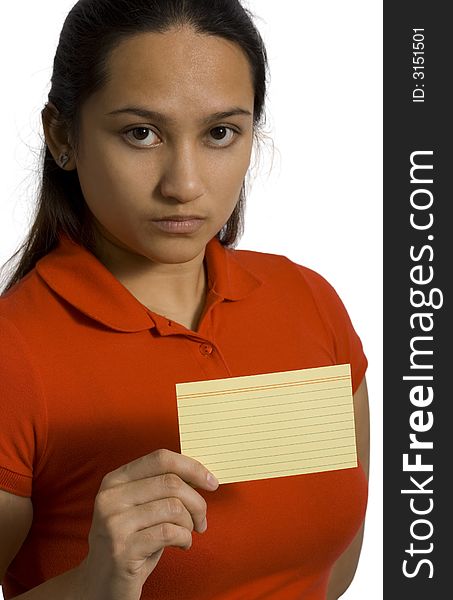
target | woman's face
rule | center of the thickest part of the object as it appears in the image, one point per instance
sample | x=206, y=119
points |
x=185, y=161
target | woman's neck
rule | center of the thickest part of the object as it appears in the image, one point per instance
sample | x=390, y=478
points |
x=177, y=291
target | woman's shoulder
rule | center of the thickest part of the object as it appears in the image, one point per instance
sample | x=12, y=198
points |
x=19, y=304
x=27, y=316
x=271, y=265
x=14, y=351
x=300, y=283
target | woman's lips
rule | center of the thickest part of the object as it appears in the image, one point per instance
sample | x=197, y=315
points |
x=179, y=226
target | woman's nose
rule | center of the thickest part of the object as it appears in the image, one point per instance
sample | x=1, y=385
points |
x=182, y=178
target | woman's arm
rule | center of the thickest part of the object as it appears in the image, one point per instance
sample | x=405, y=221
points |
x=345, y=567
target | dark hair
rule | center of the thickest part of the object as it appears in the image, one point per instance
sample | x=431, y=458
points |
x=92, y=29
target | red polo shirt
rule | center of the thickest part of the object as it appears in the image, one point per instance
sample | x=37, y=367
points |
x=87, y=384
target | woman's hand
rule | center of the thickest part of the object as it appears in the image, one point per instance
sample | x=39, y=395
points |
x=141, y=508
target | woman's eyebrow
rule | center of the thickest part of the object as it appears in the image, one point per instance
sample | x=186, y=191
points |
x=153, y=114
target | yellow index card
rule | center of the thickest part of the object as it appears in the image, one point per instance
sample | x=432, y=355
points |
x=269, y=425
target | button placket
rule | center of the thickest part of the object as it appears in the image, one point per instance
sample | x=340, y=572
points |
x=205, y=349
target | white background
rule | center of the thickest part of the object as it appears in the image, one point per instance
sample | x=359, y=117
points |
x=319, y=203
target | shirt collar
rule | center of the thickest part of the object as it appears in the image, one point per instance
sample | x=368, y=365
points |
x=79, y=277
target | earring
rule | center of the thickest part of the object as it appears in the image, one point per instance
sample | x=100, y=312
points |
x=64, y=158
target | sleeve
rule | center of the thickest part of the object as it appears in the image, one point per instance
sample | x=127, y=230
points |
x=347, y=344
x=23, y=416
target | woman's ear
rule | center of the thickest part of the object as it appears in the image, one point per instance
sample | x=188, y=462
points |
x=57, y=138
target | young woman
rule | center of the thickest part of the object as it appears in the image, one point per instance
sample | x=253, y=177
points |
x=129, y=283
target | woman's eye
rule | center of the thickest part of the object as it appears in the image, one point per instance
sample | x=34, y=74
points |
x=220, y=134
x=143, y=133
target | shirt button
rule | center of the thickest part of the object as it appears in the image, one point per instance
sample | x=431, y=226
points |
x=205, y=349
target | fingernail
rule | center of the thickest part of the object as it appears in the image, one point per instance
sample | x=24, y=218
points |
x=204, y=525
x=212, y=481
